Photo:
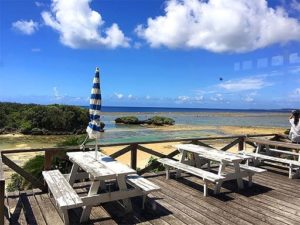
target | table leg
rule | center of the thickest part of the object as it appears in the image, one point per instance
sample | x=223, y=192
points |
x=219, y=183
x=237, y=171
x=121, y=179
x=182, y=158
x=73, y=173
x=87, y=209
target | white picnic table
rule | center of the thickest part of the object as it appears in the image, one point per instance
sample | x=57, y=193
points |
x=100, y=170
x=203, y=155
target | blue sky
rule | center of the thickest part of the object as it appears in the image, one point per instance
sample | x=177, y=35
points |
x=152, y=52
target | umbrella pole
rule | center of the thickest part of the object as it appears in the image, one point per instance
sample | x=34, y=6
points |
x=96, y=149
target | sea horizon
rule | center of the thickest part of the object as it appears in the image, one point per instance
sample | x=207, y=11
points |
x=184, y=109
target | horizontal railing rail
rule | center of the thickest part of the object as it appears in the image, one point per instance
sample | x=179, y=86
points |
x=273, y=143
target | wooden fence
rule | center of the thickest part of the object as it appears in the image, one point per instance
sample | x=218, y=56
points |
x=133, y=147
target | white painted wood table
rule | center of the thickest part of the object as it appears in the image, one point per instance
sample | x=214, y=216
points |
x=100, y=170
x=203, y=155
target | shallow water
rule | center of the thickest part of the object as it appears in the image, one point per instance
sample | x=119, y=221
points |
x=135, y=133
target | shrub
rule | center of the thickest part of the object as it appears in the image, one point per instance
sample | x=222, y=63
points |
x=127, y=120
x=153, y=160
x=160, y=120
x=34, y=166
x=72, y=140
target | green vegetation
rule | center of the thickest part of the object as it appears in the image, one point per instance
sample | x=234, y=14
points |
x=152, y=161
x=38, y=119
x=35, y=165
x=160, y=120
x=156, y=120
x=127, y=120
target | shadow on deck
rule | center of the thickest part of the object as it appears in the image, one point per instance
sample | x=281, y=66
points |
x=273, y=199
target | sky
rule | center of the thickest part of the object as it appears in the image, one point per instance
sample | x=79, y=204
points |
x=234, y=54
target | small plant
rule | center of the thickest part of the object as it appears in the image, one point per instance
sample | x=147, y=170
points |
x=152, y=161
x=127, y=120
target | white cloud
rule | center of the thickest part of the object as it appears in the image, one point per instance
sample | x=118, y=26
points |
x=183, y=98
x=148, y=97
x=295, y=5
x=244, y=84
x=217, y=97
x=220, y=25
x=130, y=96
x=119, y=95
x=25, y=27
x=81, y=27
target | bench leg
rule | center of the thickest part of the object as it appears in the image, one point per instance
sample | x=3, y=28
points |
x=250, y=180
x=144, y=201
x=167, y=172
x=178, y=173
x=208, y=165
x=66, y=216
x=218, y=187
x=290, y=171
x=205, y=189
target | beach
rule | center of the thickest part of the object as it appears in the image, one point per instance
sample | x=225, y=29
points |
x=19, y=141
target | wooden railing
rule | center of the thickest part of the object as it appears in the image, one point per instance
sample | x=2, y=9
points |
x=133, y=147
x=2, y=192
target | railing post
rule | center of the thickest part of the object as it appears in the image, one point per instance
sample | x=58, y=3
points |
x=133, y=156
x=241, y=143
x=48, y=159
x=2, y=192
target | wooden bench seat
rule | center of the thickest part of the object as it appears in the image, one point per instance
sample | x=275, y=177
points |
x=63, y=193
x=143, y=184
x=291, y=163
x=205, y=175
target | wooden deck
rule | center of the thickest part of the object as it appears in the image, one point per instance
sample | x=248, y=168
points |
x=273, y=199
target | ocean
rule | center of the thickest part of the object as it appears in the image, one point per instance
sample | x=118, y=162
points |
x=198, y=118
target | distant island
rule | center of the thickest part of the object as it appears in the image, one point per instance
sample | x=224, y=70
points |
x=42, y=119
x=155, y=120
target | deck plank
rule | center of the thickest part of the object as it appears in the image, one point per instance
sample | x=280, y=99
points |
x=16, y=210
x=48, y=210
x=273, y=199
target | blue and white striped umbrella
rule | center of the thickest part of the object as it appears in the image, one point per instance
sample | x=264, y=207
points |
x=94, y=126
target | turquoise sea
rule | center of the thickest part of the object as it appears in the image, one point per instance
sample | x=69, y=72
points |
x=195, y=117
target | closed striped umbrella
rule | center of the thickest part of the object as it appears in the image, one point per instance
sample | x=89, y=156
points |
x=94, y=126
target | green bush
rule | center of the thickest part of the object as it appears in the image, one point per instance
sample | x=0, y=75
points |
x=156, y=120
x=153, y=160
x=160, y=120
x=28, y=118
x=72, y=140
x=34, y=166
x=127, y=120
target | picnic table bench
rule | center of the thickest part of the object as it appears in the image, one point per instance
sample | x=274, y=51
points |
x=99, y=171
x=204, y=155
x=265, y=150
x=65, y=196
